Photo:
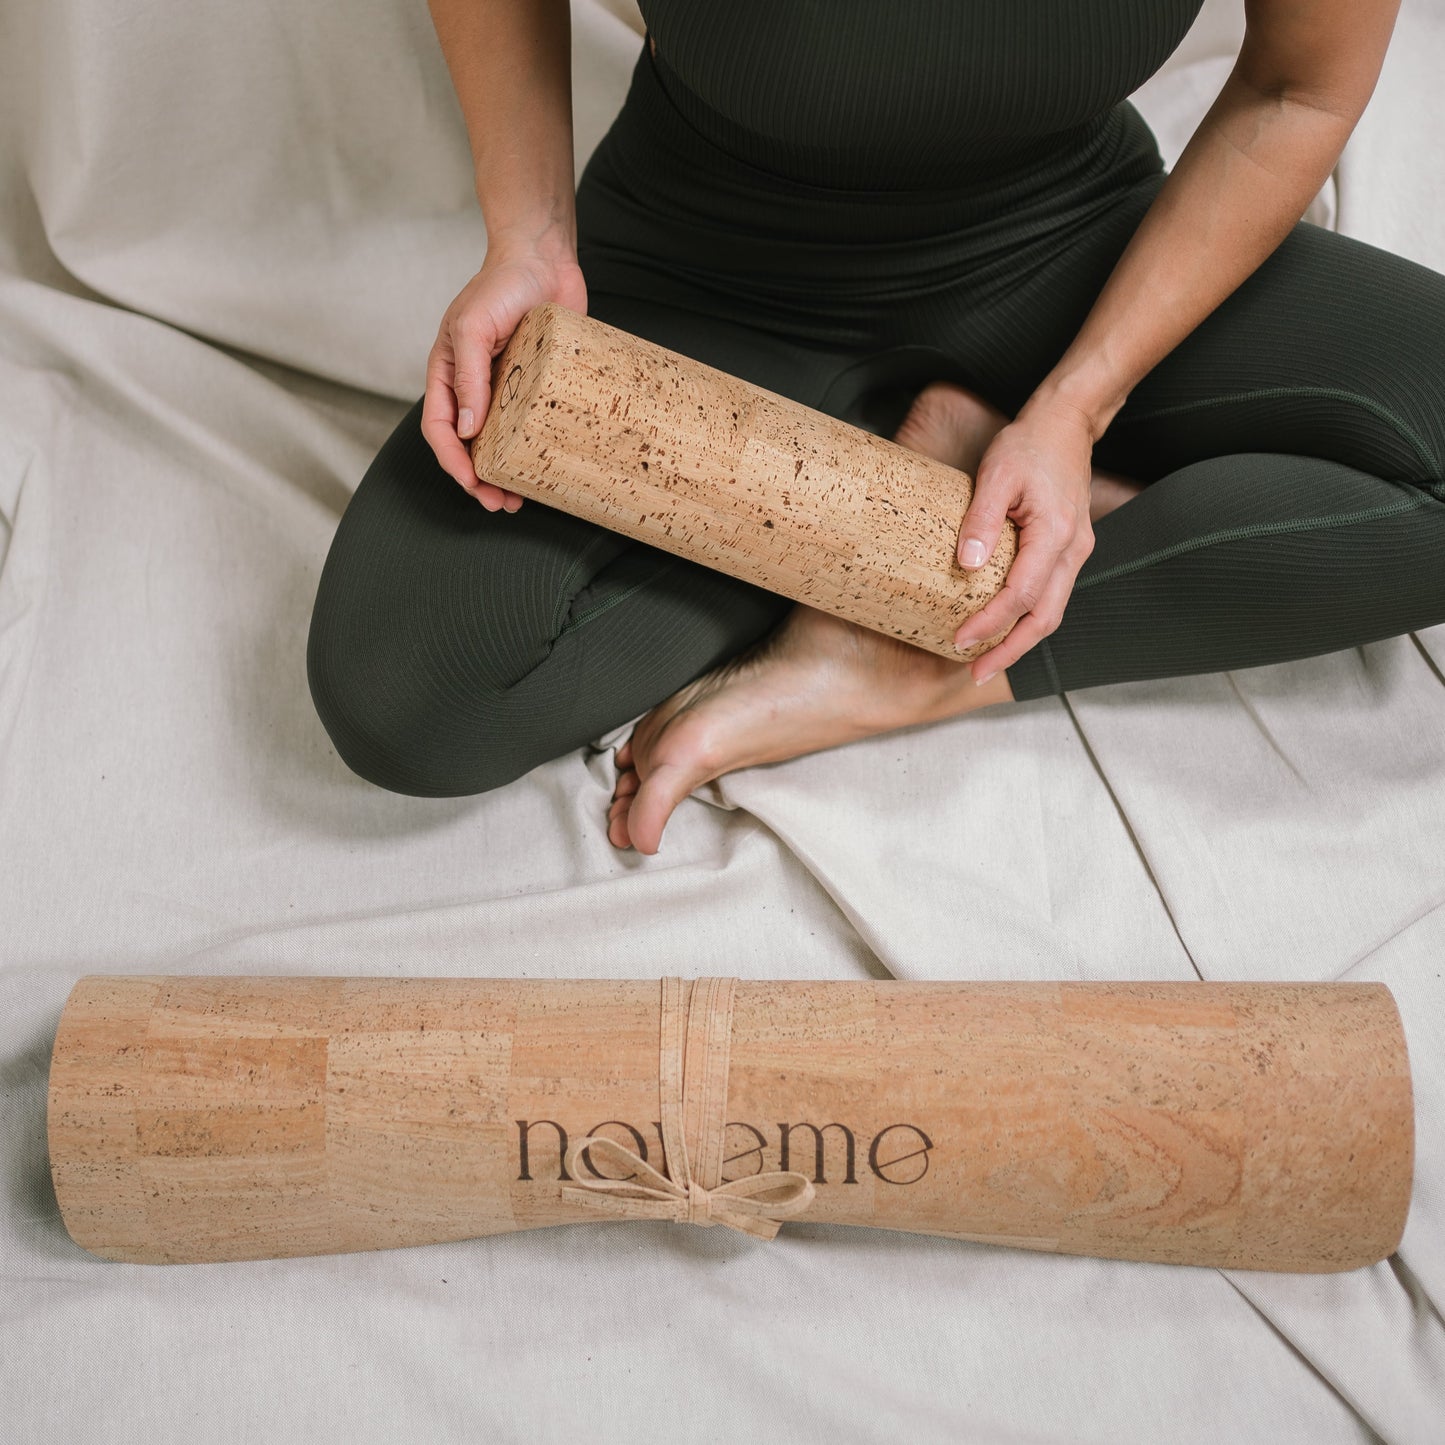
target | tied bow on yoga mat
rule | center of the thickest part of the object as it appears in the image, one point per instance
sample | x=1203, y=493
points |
x=693, y=1080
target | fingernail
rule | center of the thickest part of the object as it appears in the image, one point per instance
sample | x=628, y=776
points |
x=973, y=553
x=981, y=680
x=464, y=421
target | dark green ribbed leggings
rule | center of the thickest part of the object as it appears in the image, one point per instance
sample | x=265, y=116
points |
x=1292, y=446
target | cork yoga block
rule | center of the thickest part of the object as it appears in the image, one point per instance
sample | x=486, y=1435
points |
x=1249, y=1126
x=662, y=448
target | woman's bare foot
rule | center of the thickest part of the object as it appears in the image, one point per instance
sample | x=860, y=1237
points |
x=815, y=682
x=955, y=425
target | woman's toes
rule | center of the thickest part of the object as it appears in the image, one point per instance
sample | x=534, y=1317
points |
x=623, y=797
x=648, y=811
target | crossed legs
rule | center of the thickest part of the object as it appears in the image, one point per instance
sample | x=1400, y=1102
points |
x=1293, y=503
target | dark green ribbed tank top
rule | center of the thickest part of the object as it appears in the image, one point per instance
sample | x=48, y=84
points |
x=903, y=93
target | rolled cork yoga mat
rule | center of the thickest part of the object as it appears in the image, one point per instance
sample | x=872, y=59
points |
x=1240, y=1125
x=662, y=448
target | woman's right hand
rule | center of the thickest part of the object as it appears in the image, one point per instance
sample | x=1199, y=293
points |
x=516, y=275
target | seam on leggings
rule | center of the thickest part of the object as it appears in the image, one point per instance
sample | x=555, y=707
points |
x=1260, y=529
x=564, y=600
x=612, y=602
x=1335, y=393
x=1046, y=652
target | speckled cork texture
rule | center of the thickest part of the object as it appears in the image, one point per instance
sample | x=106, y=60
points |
x=1245, y=1126
x=657, y=446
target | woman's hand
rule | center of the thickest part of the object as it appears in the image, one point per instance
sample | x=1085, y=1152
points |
x=516, y=275
x=1037, y=471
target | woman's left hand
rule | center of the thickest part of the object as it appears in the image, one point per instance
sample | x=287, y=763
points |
x=1037, y=471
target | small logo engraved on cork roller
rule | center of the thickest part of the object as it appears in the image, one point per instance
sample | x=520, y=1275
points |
x=509, y=388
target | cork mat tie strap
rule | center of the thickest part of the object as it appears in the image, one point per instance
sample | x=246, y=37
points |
x=692, y=1082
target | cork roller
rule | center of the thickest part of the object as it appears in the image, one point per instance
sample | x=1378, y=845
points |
x=1249, y=1126
x=662, y=448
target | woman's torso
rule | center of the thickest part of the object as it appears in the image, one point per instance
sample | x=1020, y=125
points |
x=890, y=93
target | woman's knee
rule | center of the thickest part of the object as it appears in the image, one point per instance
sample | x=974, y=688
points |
x=414, y=702
x=403, y=726
x=430, y=658
x=1363, y=339
x=1333, y=348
